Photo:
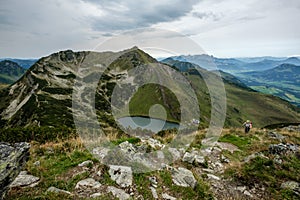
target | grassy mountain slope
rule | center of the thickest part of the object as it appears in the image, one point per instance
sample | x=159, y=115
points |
x=10, y=72
x=242, y=102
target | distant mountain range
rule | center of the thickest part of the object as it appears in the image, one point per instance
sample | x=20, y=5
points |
x=282, y=81
x=235, y=65
x=10, y=72
x=269, y=75
x=25, y=63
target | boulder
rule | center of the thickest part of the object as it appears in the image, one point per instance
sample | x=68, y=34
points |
x=213, y=177
x=87, y=184
x=153, y=181
x=183, y=177
x=188, y=157
x=154, y=192
x=86, y=163
x=12, y=159
x=293, y=186
x=119, y=193
x=121, y=174
x=175, y=153
x=96, y=195
x=57, y=190
x=167, y=197
x=193, y=157
x=24, y=179
x=290, y=185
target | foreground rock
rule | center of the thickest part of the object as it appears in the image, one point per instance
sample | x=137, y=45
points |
x=121, y=174
x=24, y=180
x=183, y=177
x=57, y=190
x=12, y=159
x=86, y=163
x=167, y=197
x=193, y=157
x=119, y=193
x=87, y=187
x=293, y=186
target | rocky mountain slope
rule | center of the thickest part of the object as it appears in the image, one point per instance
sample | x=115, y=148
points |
x=43, y=96
x=10, y=72
x=263, y=164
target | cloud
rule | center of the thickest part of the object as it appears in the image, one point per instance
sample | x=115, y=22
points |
x=206, y=15
x=34, y=28
x=124, y=15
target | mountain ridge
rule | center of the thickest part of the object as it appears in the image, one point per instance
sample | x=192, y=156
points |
x=43, y=96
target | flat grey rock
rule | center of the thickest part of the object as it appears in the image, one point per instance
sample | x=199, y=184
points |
x=183, y=177
x=24, y=179
x=119, y=193
x=121, y=174
x=57, y=190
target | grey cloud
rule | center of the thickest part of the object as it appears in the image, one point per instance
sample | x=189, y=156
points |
x=122, y=15
x=250, y=18
x=206, y=15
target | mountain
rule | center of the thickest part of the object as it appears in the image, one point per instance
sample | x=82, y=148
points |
x=236, y=65
x=25, y=63
x=43, y=96
x=10, y=72
x=187, y=66
x=269, y=64
x=258, y=59
x=282, y=81
x=211, y=63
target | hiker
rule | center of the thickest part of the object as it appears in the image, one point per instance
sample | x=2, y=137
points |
x=248, y=125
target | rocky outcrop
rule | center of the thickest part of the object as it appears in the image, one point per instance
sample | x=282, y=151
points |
x=276, y=136
x=283, y=148
x=12, y=159
x=292, y=128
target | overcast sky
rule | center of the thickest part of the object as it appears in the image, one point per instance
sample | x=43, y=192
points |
x=223, y=28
